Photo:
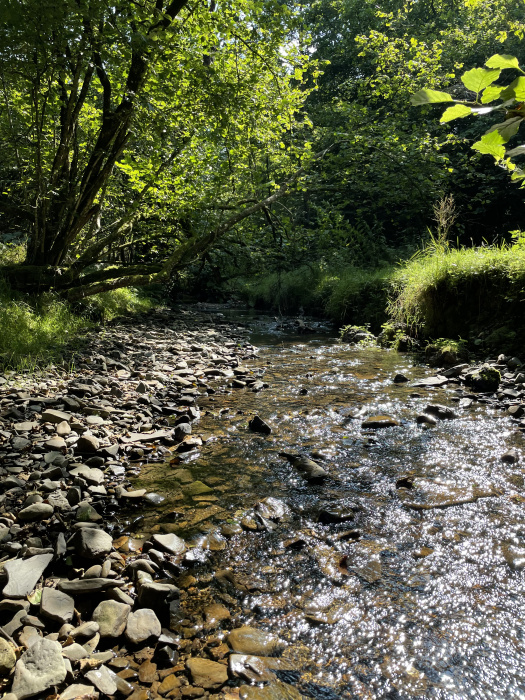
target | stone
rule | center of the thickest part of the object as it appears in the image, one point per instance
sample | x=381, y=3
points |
x=87, y=514
x=87, y=444
x=93, y=543
x=57, y=606
x=7, y=657
x=400, y=379
x=79, y=690
x=511, y=456
x=170, y=543
x=440, y=412
x=86, y=629
x=273, y=691
x=39, y=668
x=23, y=575
x=103, y=679
x=56, y=443
x=249, y=640
x=196, y=488
x=147, y=672
x=91, y=475
x=515, y=557
x=63, y=429
x=375, y=422
x=111, y=617
x=309, y=470
x=206, y=673
x=257, y=425
x=142, y=625
x=88, y=585
x=169, y=683
x=216, y=613
x=52, y=416
x=38, y=511
x=75, y=652
x=156, y=595
x=20, y=443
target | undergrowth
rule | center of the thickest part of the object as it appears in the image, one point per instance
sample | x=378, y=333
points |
x=36, y=331
x=348, y=295
x=450, y=293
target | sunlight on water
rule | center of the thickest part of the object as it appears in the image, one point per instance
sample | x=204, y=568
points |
x=380, y=591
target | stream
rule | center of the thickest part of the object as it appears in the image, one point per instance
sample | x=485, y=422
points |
x=397, y=576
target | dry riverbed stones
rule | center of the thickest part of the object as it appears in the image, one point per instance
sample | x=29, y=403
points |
x=82, y=614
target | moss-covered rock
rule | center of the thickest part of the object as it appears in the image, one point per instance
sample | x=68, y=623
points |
x=486, y=378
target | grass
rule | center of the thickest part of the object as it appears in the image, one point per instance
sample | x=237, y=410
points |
x=35, y=332
x=450, y=293
x=348, y=295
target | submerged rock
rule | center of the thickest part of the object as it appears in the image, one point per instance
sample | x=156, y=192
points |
x=259, y=426
x=376, y=422
x=308, y=469
x=250, y=640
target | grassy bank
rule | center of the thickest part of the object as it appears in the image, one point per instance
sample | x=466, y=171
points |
x=472, y=293
x=350, y=295
x=36, y=331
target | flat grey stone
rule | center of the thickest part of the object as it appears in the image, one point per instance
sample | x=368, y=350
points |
x=88, y=585
x=23, y=574
x=103, y=679
x=87, y=443
x=75, y=652
x=56, y=605
x=39, y=668
x=92, y=475
x=169, y=543
x=154, y=595
x=142, y=625
x=93, y=543
x=111, y=617
x=52, y=416
x=79, y=690
x=38, y=511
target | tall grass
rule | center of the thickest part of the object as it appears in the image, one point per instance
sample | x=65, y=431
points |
x=446, y=292
x=36, y=331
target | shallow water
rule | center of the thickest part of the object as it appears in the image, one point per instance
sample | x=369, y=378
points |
x=394, y=602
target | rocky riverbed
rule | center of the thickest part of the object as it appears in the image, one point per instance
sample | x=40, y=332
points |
x=120, y=581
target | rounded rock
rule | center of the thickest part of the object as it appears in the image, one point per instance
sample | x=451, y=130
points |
x=142, y=625
x=111, y=617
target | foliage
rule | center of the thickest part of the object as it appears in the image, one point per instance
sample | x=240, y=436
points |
x=132, y=134
x=37, y=331
x=460, y=292
x=510, y=96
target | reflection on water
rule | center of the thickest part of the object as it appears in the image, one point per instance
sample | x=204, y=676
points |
x=375, y=598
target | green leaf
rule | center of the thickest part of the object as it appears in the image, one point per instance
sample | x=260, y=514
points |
x=508, y=128
x=491, y=144
x=425, y=97
x=518, y=151
x=298, y=74
x=493, y=92
x=478, y=79
x=502, y=61
x=515, y=90
x=458, y=111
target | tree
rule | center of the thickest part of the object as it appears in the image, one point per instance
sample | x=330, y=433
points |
x=125, y=125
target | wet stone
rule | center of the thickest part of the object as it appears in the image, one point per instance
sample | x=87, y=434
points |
x=207, y=674
x=250, y=640
x=169, y=543
x=375, y=422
